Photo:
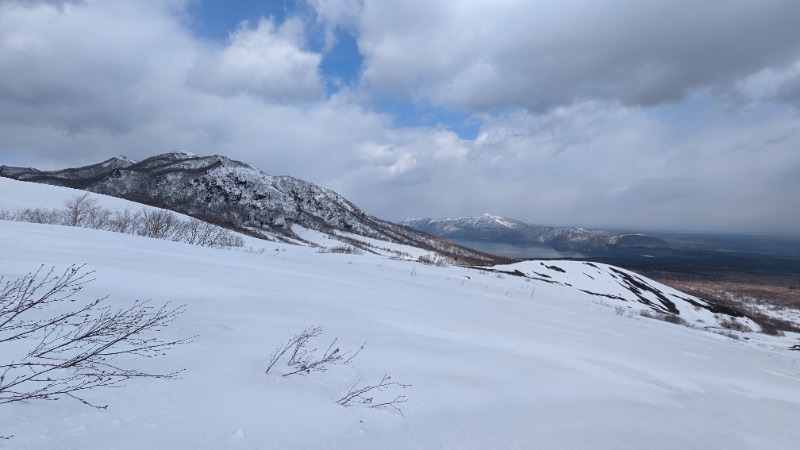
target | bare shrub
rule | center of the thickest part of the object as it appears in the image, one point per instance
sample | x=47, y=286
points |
x=345, y=249
x=730, y=323
x=444, y=261
x=304, y=361
x=425, y=259
x=254, y=251
x=435, y=260
x=124, y=221
x=97, y=218
x=77, y=210
x=301, y=360
x=666, y=317
x=158, y=224
x=674, y=318
x=620, y=310
x=40, y=215
x=192, y=232
x=729, y=334
x=55, y=345
x=205, y=234
x=365, y=394
x=220, y=237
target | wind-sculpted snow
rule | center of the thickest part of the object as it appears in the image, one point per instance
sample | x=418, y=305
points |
x=620, y=287
x=519, y=356
x=493, y=360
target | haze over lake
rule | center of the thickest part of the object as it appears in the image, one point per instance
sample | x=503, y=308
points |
x=523, y=250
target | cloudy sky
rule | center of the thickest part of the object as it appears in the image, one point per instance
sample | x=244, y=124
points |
x=660, y=114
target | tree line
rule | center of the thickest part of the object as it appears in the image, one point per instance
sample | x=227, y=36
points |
x=83, y=211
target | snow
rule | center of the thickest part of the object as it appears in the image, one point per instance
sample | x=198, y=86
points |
x=602, y=283
x=388, y=248
x=494, y=360
x=249, y=198
x=20, y=194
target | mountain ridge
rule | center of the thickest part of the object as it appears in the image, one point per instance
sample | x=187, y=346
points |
x=239, y=196
x=488, y=227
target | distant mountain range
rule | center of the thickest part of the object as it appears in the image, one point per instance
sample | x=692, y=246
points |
x=492, y=228
x=241, y=197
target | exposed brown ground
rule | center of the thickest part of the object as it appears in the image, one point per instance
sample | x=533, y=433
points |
x=745, y=292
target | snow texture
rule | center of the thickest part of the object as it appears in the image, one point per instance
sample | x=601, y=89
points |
x=496, y=359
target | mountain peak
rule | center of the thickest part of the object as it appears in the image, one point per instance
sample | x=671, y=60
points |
x=499, y=220
x=180, y=154
x=118, y=161
x=239, y=196
x=489, y=227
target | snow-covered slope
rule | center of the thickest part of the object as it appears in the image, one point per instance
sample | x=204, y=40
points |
x=495, y=359
x=19, y=195
x=488, y=227
x=628, y=292
x=238, y=195
x=15, y=195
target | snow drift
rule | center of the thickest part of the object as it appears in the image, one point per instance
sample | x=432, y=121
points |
x=518, y=356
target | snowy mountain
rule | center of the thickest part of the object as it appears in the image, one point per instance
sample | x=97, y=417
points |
x=241, y=197
x=535, y=354
x=488, y=227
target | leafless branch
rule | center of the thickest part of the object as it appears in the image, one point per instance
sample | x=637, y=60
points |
x=67, y=352
x=365, y=395
x=301, y=360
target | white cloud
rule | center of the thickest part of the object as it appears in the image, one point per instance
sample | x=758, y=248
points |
x=595, y=164
x=479, y=55
x=82, y=67
x=268, y=62
x=338, y=13
x=334, y=15
x=81, y=82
